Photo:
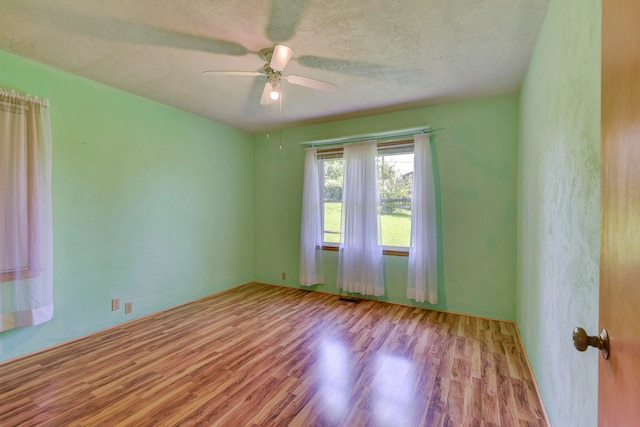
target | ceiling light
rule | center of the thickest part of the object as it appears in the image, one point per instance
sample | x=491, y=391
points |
x=280, y=57
x=274, y=82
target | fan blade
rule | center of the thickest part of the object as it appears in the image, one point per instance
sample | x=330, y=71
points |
x=284, y=17
x=234, y=73
x=107, y=27
x=264, y=99
x=312, y=83
x=280, y=57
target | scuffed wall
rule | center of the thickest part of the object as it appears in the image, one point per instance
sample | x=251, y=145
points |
x=559, y=208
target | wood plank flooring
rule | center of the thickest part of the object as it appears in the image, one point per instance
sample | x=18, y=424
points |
x=261, y=355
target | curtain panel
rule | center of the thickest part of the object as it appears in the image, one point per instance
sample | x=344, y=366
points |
x=311, y=268
x=360, y=260
x=423, y=257
x=26, y=244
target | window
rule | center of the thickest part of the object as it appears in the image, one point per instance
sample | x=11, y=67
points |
x=395, y=173
x=19, y=213
x=26, y=238
x=19, y=192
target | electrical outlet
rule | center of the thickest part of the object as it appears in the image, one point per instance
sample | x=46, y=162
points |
x=284, y=275
x=115, y=304
x=128, y=307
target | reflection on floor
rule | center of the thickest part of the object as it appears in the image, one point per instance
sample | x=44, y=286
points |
x=261, y=355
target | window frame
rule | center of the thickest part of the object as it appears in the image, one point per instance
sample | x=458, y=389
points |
x=328, y=152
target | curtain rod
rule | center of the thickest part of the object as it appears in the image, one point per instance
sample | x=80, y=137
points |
x=371, y=136
x=12, y=94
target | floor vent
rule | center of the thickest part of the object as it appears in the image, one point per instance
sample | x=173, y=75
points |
x=346, y=299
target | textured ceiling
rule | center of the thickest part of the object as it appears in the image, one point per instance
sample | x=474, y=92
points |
x=383, y=55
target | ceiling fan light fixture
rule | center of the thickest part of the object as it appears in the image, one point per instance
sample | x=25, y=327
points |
x=277, y=59
x=274, y=94
x=273, y=86
x=280, y=57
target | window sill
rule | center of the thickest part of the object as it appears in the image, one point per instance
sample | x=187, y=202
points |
x=391, y=252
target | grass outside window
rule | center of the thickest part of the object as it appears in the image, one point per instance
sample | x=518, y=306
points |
x=396, y=227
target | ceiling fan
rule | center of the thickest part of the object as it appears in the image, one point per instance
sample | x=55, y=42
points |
x=277, y=59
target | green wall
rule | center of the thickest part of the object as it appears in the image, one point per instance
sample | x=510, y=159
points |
x=476, y=156
x=558, y=221
x=150, y=204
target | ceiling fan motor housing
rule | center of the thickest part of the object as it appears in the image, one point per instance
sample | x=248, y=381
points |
x=266, y=54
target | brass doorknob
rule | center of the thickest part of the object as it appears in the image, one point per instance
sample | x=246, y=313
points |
x=581, y=341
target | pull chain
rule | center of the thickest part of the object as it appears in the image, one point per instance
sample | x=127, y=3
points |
x=280, y=116
x=266, y=120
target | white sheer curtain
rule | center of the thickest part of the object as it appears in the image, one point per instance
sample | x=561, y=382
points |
x=26, y=246
x=311, y=270
x=360, y=267
x=423, y=256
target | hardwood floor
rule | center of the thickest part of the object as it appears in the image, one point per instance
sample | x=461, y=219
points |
x=261, y=355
